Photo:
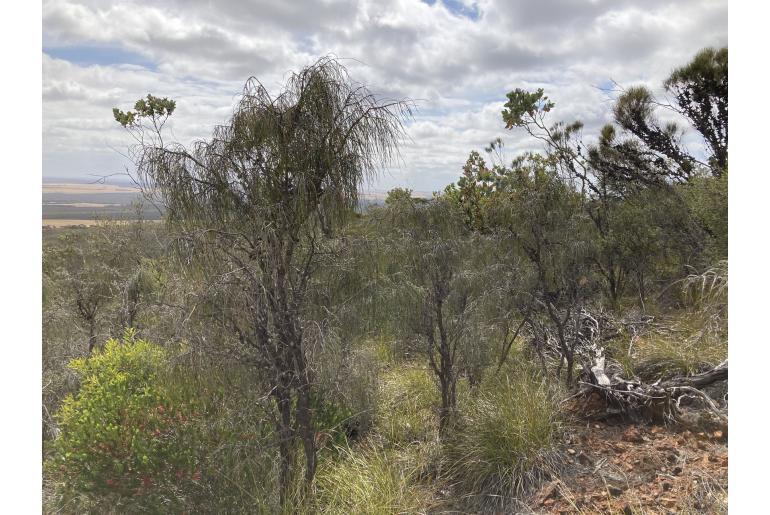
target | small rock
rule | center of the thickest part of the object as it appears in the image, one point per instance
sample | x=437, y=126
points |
x=718, y=435
x=572, y=451
x=676, y=471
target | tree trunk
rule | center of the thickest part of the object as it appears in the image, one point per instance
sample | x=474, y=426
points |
x=285, y=441
x=570, y=357
x=613, y=287
x=642, y=292
x=308, y=441
x=447, y=376
x=307, y=433
x=91, y=335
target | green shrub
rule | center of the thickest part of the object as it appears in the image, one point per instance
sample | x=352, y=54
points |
x=121, y=436
x=504, y=439
x=232, y=436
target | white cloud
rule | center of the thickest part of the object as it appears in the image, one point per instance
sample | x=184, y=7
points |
x=458, y=69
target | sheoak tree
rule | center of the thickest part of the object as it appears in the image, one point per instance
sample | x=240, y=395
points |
x=257, y=200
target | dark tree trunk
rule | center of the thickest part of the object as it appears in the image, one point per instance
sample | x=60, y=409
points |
x=447, y=375
x=91, y=335
x=570, y=357
x=285, y=441
x=130, y=315
x=613, y=288
x=567, y=352
x=642, y=292
x=305, y=416
x=307, y=433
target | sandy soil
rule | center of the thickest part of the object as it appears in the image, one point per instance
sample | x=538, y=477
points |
x=86, y=188
x=67, y=223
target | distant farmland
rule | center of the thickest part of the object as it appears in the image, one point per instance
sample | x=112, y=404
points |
x=80, y=204
x=68, y=204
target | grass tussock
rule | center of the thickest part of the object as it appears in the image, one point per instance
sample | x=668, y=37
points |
x=408, y=405
x=372, y=480
x=693, y=339
x=505, y=440
x=685, y=343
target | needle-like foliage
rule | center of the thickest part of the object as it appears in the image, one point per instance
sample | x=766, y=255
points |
x=255, y=202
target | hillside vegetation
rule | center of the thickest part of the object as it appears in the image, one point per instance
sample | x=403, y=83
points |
x=272, y=348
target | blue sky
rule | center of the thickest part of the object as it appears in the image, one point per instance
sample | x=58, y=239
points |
x=469, y=10
x=455, y=58
x=83, y=55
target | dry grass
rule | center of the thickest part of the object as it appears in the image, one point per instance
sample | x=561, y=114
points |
x=374, y=480
x=408, y=405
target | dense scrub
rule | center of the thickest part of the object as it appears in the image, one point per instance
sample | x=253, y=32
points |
x=273, y=349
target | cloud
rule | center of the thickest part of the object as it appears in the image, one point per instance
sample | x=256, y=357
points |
x=457, y=59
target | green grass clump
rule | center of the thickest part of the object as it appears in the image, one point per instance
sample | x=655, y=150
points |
x=408, y=403
x=504, y=440
x=683, y=344
x=371, y=480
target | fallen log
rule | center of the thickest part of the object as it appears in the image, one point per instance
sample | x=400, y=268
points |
x=606, y=393
x=718, y=373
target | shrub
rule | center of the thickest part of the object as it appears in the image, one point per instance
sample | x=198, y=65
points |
x=505, y=438
x=121, y=436
x=232, y=436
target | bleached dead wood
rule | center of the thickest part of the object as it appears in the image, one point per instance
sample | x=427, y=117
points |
x=657, y=401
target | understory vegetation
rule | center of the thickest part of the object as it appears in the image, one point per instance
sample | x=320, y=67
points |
x=273, y=348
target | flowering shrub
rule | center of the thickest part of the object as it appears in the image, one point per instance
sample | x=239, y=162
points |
x=122, y=433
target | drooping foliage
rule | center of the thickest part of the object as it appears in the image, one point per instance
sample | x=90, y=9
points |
x=255, y=203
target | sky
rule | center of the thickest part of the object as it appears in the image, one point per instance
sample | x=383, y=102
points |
x=456, y=59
